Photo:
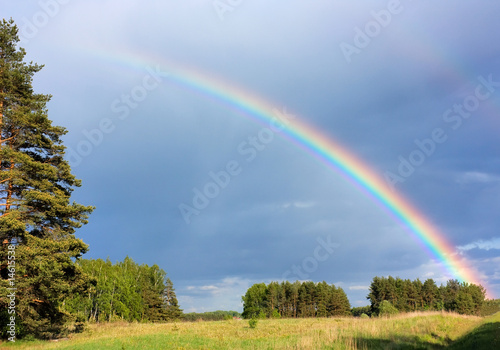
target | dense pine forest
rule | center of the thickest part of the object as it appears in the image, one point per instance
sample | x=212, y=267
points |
x=298, y=299
x=406, y=295
x=387, y=296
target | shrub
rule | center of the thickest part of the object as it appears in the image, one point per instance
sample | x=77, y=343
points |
x=252, y=322
x=275, y=314
x=364, y=316
x=387, y=309
x=358, y=311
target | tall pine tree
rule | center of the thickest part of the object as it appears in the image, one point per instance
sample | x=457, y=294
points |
x=173, y=311
x=35, y=188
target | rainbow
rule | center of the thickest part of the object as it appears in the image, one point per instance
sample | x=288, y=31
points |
x=315, y=142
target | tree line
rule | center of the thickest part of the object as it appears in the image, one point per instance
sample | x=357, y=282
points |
x=388, y=295
x=124, y=291
x=406, y=295
x=298, y=299
x=218, y=315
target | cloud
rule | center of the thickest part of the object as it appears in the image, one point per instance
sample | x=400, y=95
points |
x=224, y=294
x=299, y=205
x=493, y=243
x=359, y=287
x=200, y=289
x=476, y=177
x=209, y=288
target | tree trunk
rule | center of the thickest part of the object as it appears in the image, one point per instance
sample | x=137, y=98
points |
x=8, y=199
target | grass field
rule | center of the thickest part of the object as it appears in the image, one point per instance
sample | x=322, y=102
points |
x=408, y=331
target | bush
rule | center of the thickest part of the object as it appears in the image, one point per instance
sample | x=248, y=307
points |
x=252, y=322
x=364, y=316
x=275, y=314
x=358, y=311
x=387, y=309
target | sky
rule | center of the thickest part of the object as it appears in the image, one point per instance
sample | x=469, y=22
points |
x=184, y=178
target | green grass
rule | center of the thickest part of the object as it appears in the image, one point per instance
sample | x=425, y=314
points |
x=486, y=336
x=408, y=331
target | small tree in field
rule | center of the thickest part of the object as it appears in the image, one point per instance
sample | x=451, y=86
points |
x=253, y=322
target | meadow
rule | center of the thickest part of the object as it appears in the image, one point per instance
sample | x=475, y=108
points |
x=432, y=330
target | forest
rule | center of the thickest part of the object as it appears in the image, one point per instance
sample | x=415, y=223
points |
x=125, y=291
x=406, y=295
x=387, y=296
x=298, y=299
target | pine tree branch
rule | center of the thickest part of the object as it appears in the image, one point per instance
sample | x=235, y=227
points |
x=8, y=139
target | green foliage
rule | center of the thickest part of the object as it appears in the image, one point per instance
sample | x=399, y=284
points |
x=485, y=336
x=4, y=320
x=125, y=291
x=211, y=316
x=364, y=316
x=406, y=295
x=275, y=314
x=173, y=312
x=358, y=311
x=253, y=322
x=254, y=301
x=490, y=307
x=35, y=189
x=306, y=299
x=387, y=309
